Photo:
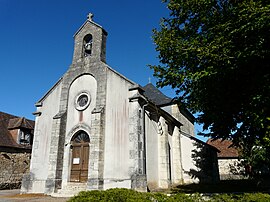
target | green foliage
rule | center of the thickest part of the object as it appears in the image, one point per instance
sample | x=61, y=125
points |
x=222, y=198
x=111, y=195
x=121, y=195
x=254, y=197
x=186, y=198
x=126, y=195
x=216, y=56
x=247, y=197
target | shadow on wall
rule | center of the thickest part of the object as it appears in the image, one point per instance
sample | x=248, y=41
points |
x=238, y=170
x=205, y=160
x=27, y=182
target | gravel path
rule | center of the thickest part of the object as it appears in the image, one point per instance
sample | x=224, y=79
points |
x=14, y=196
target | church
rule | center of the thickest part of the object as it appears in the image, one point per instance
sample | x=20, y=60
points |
x=96, y=129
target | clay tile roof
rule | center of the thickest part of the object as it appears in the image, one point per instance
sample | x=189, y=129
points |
x=155, y=95
x=225, y=147
x=8, y=121
x=20, y=122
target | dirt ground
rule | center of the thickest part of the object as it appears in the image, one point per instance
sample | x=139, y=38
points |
x=14, y=196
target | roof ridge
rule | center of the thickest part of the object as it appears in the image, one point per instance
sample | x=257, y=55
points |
x=27, y=123
x=88, y=21
x=4, y=114
x=20, y=121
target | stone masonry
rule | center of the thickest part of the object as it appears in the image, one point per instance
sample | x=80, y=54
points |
x=12, y=167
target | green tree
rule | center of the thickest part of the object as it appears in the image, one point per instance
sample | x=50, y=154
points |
x=216, y=55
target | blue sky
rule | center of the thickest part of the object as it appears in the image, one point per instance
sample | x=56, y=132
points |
x=36, y=44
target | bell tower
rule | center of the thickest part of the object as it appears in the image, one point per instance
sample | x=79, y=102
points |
x=90, y=42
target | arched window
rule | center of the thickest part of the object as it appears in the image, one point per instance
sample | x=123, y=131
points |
x=80, y=137
x=87, y=44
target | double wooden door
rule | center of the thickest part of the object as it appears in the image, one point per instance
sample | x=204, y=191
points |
x=79, y=164
x=80, y=157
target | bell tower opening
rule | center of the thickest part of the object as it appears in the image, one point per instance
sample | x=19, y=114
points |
x=87, y=45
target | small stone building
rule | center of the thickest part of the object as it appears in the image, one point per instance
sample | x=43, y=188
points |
x=97, y=129
x=228, y=159
x=16, y=135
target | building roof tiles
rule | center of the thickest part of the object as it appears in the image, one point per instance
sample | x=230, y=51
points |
x=9, y=122
x=155, y=95
x=226, y=148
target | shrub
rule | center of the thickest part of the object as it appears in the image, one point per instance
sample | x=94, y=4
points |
x=127, y=195
x=111, y=195
x=247, y=197
x=260, y=197
x=182, y=197
x=222, y=198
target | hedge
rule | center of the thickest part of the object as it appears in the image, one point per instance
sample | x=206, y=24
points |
x=127, y=195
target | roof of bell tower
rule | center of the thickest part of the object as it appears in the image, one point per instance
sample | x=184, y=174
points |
x=89, y=19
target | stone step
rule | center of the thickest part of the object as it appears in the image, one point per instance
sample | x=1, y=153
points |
x=71, y=189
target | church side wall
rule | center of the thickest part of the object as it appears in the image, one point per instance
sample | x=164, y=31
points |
x=116, y=156
x=152, y=152
x=187, y=149
x=199, y=161
x=42, y=139
x=188, y=127
x=176, y=167
x=162, y=153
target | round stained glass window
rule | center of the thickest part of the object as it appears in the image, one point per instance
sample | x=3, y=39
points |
x=82, y=101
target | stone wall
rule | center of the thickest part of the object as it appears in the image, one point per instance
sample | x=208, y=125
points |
x=12, y=167
x=229, y=169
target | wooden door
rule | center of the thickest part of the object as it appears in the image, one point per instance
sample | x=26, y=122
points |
x=79, y=161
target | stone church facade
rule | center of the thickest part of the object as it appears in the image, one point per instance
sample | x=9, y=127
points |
x=96, y=129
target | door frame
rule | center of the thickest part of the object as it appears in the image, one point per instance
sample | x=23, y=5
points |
x=79, y=159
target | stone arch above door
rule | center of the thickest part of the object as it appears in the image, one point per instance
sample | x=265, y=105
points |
x=81, y=137
x=75, y=130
